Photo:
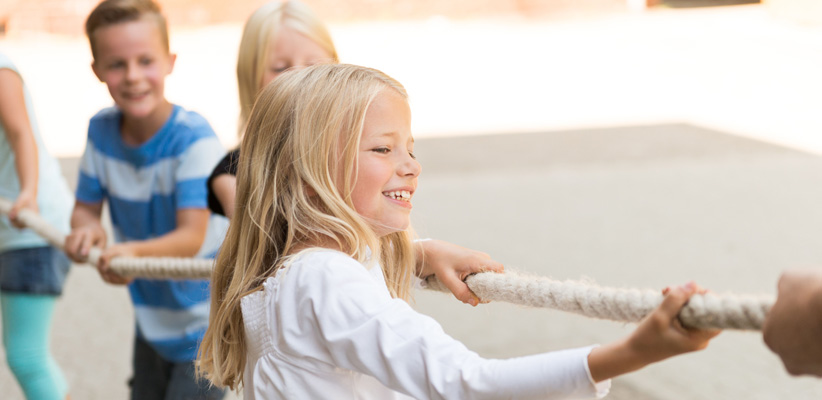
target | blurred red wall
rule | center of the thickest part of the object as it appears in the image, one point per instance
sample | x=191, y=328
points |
x=67, y=16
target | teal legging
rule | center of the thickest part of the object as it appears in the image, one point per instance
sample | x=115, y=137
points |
x=26, y=328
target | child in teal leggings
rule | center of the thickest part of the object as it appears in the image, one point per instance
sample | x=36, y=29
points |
x=27, y=320
x=32, y=273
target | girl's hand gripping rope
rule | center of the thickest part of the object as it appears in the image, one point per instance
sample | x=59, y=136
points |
x=659, y=336
x=451, y=264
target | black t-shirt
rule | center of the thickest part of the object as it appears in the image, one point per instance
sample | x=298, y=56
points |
x=228, y=165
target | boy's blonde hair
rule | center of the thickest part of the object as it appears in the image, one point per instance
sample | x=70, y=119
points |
x=112, y=12
x=296, y=173
x=260, y=30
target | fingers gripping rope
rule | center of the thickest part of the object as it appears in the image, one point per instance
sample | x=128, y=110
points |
x=130, y=267
x=628, y=305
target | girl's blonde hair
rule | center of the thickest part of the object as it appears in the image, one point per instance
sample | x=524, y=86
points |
x=260, y=30
x=296, y=173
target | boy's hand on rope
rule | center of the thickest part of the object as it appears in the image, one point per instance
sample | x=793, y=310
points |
x=661, y=335
x=81, y=239
x=452, y=264
x=25, y=200
x=104, y=264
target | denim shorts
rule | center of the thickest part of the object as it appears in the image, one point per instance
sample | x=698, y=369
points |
x=36, y=270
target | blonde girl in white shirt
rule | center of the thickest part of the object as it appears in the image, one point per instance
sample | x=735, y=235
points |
x=282, y=35
x=310, y=288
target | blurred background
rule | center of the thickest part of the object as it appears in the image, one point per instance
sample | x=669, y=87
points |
x=478, y=66
x=636, y=143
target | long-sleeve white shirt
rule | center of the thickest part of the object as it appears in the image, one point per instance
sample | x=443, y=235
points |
x=327, y=327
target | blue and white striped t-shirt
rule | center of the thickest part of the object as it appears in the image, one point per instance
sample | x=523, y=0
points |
x=145, y=186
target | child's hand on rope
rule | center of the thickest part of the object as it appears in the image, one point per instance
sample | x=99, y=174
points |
x=25, y=200
x=794, y=324
x=81, y=239
x=661, y=335
x=104, y=264
x=452, y=264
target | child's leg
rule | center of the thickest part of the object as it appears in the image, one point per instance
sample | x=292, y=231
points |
x=184, y=385
x=26, y=326
x=151, y=373
x=156, y=378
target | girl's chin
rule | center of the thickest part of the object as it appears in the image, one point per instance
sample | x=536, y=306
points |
x=385, y=232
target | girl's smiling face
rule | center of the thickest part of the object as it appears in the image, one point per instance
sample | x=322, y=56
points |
x=387, y=170
x=291, y=49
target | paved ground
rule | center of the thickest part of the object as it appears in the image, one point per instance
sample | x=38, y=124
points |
x=627, y=207
x=630, y=207
x=665, y=185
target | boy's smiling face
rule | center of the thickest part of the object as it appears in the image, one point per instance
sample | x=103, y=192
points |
x=133, y=62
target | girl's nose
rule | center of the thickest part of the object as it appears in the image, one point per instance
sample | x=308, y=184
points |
x=411, y=167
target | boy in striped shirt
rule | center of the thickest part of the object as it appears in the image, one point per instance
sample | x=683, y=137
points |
x=150, y=160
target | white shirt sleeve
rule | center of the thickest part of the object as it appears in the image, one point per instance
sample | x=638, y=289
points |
x=331, y=309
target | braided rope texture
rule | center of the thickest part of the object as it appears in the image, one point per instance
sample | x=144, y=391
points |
x=628, y=305
x=130, y=267
x=727, y=311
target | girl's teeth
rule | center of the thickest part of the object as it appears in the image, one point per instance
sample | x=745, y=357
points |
x=399, y=195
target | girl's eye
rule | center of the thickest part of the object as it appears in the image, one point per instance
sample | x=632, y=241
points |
x=413, y=156
x=115, y=65
x=382, y=150
x=145, y=61
x=280, y=70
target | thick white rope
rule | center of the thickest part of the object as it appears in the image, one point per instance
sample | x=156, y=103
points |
x=628, y=305
x=130, y=267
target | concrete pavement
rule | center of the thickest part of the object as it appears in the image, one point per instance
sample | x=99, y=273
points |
x=632, y=207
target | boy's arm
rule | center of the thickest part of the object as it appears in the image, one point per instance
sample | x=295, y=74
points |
x=86, y=230
x=15, y=121
x=183, y=241
x=452, y=264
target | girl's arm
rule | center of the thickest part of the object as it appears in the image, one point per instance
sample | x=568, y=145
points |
x=15, y=120
x=337, y=312
x=659, y=336
x=344, y=318
x=452, y=264
x=224, y=187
